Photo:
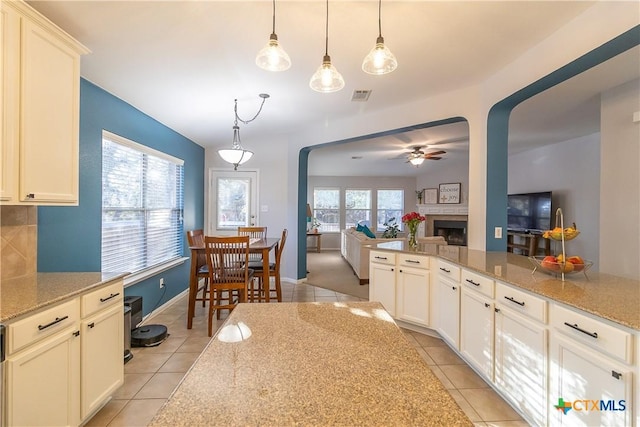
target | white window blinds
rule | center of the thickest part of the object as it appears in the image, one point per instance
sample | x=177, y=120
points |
x=142, y=206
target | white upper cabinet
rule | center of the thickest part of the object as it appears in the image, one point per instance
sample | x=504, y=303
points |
x=40, y=76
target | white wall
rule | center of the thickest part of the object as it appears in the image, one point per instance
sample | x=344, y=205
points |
x=620, y=182
x=597, y=25
x=571, y=170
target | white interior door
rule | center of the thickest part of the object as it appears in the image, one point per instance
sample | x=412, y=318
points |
x=233, y=201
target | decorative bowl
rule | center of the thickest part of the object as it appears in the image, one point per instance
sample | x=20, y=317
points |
x=557, y=235
x=559, y=267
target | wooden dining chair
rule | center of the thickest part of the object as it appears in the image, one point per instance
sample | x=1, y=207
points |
x=228, y=262
x=254, y=233
x=195, y=238
x=264, y=280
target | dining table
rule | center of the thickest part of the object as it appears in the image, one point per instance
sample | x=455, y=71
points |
x=261, y=246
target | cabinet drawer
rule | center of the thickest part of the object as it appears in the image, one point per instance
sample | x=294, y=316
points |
x=522, y=302
x=102, y=298
x=416, y=261
x=35, y=327
x=482, y=284
x=448, y=270
x=382, y=257
x=594, y=333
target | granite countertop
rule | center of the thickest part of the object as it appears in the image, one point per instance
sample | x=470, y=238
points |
x=24, y=295
x=312, y=364
x=610, y=297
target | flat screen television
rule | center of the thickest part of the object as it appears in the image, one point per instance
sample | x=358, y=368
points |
x=529, y=212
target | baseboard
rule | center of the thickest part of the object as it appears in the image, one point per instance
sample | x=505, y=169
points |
x=165, y=306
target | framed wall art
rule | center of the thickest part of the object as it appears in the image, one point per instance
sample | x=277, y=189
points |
x=449, y=193
x=430, y=195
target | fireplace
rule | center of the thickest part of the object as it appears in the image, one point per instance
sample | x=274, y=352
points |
x=454, y=232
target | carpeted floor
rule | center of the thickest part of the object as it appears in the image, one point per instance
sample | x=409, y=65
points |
x=329, y=270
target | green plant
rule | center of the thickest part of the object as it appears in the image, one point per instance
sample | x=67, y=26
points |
x=392, y=229
x=315, y=223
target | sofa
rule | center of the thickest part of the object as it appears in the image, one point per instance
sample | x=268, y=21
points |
x=354, y=247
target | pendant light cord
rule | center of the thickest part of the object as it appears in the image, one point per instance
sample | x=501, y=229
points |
x=274, y=17
x=326, y=33
x=235, y=110
x=379, y=19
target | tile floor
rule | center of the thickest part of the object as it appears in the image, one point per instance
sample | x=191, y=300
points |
x=153, y=373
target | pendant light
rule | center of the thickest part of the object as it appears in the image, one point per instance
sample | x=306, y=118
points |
x=272, y=57
x=326, y=79
x=380, y=60
x=236, y=155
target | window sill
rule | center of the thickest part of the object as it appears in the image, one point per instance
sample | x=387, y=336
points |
x=150, y=272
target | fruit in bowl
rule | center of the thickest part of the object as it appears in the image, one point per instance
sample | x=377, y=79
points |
x=560, y=264
x=557, y=233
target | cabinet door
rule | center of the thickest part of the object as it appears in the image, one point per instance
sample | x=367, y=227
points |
x=448, y=311
x=521, y=363
x=102, y=357
x=49, y=105
x=581, y=378
x=413, y=295
x=476, y=331
x=9, y=92
x=382, y=286
x=44, y=383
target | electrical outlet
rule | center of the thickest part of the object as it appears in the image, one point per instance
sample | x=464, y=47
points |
x=161, y=282
x=498, y=232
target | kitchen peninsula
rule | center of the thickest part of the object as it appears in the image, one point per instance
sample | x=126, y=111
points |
x=531, y=336
x=310, y=364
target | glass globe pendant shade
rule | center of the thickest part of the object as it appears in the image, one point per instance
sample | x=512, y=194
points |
x=272, y=57
x=380, y=60
x=326, y=79
x=416, y=161
x=236, y=155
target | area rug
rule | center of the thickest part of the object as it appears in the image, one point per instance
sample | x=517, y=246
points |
x=329, y=270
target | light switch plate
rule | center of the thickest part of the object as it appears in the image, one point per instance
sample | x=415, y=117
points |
x=498, y=232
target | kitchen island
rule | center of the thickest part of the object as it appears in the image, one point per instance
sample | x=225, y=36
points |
x=611, y=297
x=310, y=364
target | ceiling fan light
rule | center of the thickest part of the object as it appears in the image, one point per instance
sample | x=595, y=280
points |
x=272, y=57
x=416, y=161
x=380, y=60
x=326, y=79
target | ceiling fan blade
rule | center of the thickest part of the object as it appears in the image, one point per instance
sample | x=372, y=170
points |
x=433, y=158
x=435, y=153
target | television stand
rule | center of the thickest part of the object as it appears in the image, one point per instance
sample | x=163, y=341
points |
x=526, y=243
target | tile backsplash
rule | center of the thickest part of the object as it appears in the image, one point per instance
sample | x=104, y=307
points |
x=18, y=241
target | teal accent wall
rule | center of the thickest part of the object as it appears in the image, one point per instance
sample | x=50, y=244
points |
x=498, y=128
x=69, y=238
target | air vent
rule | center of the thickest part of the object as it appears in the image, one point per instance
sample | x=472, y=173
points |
x=360, y=95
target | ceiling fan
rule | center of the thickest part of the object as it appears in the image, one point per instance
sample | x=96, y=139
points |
x=417, y=156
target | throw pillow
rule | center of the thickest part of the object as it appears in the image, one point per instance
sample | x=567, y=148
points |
x=368, y=232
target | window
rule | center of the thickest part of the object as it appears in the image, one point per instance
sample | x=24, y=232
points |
x=326, y=208
x=390, y=205
x=142, y=206
x=357, y=207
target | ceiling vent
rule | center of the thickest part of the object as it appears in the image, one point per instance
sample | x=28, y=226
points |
x=360, y=95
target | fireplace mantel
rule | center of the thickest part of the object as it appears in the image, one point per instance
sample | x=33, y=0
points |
x=440, y=212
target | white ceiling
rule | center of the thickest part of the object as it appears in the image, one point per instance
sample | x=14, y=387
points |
x=184, y=63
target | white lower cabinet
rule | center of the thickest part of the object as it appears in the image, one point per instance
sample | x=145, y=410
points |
x=521, y=363
x=413, y=287
x=596, y=387
x=66, y=361
x=102, y=358
x=43, y=382
x=382, y=280
x=477, y=331
x=448, y=311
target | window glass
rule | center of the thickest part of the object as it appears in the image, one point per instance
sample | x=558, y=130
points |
x=142, y=206
x=326, y=208
x=390, y=207
x=357, y=208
